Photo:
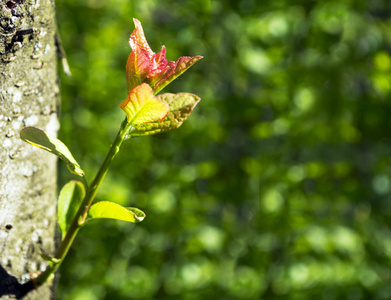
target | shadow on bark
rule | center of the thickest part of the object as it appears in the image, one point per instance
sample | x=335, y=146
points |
x=9, y=286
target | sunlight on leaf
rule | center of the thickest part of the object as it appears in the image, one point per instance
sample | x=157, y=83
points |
x=41, y=139
x=142, y=107
x=144, y=65
x=181, y=106
x=111, y=210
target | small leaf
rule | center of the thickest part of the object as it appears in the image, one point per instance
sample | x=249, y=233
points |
x=144, y=65
x=51, y=260
x=174, y=70
x=143, y=107
x=137, y=67
x=111, y=210
x=41, y=139
x=71, y=196
x=181, y=105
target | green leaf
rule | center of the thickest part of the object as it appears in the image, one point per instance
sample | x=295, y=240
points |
x=111, y=210
x=143, y=107
x=71, y=196
x=181, y=106
x=51, y=260
x=41, y=139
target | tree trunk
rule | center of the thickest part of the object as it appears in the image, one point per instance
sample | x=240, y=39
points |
x=29, y=97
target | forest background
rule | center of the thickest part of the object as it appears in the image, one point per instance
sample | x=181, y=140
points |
x=277, y=187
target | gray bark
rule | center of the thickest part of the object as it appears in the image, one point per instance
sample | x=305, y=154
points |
x=29, y=97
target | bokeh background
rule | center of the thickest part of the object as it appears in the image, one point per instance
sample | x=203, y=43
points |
x=277, y=187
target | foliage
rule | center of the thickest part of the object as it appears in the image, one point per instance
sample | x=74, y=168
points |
x=278, y=187
x=146, y=74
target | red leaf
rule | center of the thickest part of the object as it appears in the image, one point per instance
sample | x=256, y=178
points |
x=145, y=66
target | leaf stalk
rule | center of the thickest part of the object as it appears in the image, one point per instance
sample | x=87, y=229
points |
x=81, y=214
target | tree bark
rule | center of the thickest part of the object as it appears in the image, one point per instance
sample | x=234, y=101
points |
x=28, y=175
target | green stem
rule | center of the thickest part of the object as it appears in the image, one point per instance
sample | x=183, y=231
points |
x=81, y=214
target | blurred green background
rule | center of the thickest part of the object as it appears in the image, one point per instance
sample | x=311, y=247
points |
x=277, y=187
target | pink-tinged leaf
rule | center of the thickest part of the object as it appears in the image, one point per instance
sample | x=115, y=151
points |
x=160, y=59
x=181, y=106
x=144, y=65
x=138, y=67
x=139, y=63
x=137, y=38
x=143, y=107
x=176, y=69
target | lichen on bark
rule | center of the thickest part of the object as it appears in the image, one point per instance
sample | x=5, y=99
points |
x=29, y=97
